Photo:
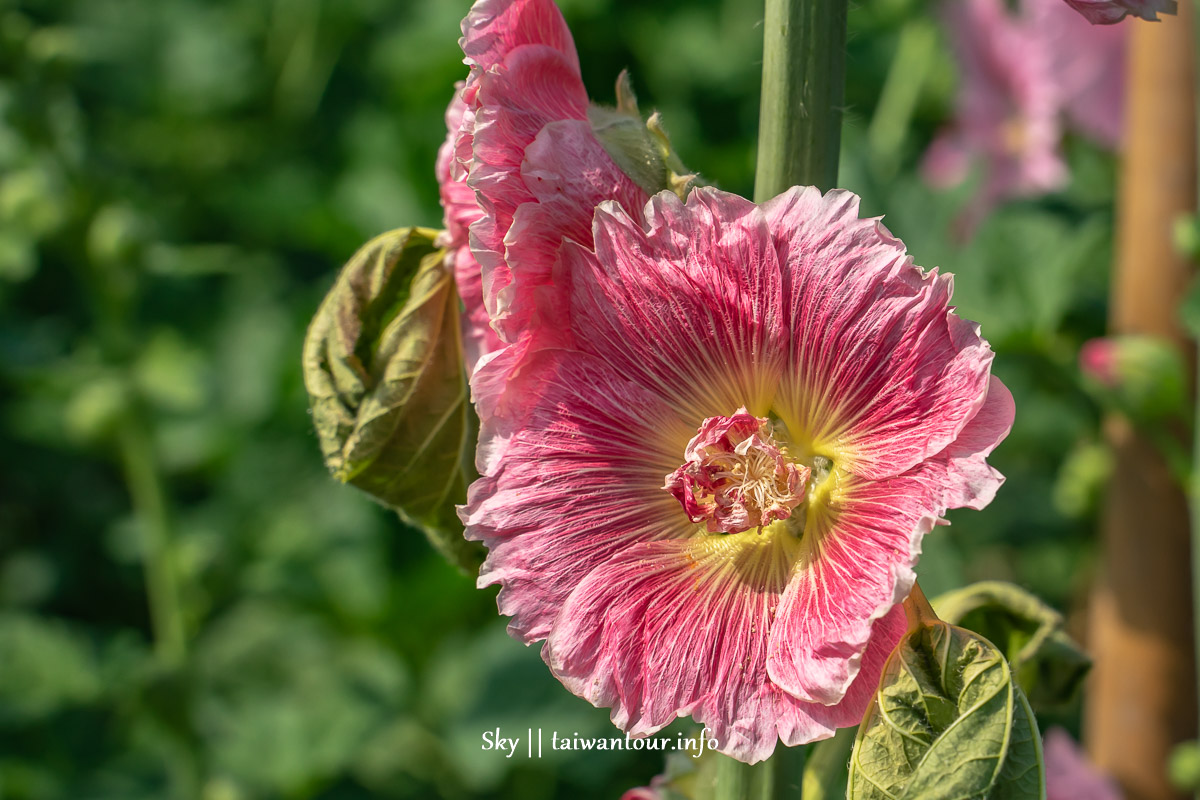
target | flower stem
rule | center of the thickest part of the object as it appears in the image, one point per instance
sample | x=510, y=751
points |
x=150, y=505
x=799, y=133
x=780, y=776
x=803, y=86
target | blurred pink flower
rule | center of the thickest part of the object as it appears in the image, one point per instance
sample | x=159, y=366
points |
x=1020, y=75
x=1069, y=775
x=1088, y=68
x=1107, y=12
x=781, y=374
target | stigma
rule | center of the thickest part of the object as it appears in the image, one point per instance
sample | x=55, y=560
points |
x=737, y=476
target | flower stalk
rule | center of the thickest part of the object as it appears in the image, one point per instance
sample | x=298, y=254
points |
x=150, y=505
x=799, y=136
x=803, y=88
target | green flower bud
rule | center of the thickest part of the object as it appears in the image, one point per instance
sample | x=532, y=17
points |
x=641, y=149
x=1142, y=377
x=384, y=372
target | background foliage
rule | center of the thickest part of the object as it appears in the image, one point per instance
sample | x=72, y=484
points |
x=179, y=182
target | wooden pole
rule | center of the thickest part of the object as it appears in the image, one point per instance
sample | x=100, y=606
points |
x=1141, y=700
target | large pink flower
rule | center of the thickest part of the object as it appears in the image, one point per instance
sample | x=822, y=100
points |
x=707, y=492
x=1107, y=12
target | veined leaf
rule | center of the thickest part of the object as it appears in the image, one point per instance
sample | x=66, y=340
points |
x=1048, y=665
x=384, y=371
x=947, y=723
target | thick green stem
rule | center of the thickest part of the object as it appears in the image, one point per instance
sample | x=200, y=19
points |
x=803, y=86
x=799, y=133
x=780, y=776
x=150, y=506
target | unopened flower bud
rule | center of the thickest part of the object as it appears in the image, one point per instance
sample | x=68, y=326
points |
x=384, y=371
x=641, y=149
x=1140, y=376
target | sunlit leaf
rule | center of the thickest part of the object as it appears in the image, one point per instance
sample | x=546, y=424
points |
x=947, y=722
x=383, y=367
x=1048, y=665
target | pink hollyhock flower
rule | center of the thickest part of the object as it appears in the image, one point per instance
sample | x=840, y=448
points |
x=461, y=210
x=1007, y=108
x=1069, y=775
x=1089, y=74
x=1017, y=83
x=526, y=147
x=707, y=492
x=1107, y=12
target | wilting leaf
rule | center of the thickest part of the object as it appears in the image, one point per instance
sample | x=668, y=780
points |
x=1049, y=666
x=384, y=371
x=947, y=722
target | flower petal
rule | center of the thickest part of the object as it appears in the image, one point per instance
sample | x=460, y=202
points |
x=533, y=87
x=568, y=173
x=881, y=373
x=677, y=627
x=689, y=307
x=572, y=465
x=494, y=28
x=461, y=210
x=1108, y=12
x=826, y=615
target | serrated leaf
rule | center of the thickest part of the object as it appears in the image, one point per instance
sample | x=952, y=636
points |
x=1049, y=666
x=947, y=723
x=384, y=371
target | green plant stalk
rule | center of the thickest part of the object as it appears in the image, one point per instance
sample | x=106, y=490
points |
x=780, y=776
x=910, y=67
x=803, y=91
x=150, y=506
x=799, y=137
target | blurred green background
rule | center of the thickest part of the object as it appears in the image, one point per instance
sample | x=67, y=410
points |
x=179, y=182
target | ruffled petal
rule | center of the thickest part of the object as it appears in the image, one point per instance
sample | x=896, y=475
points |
x=689, y=307
x=826, y=616
x=568, y=173
x=881, y=373
x=494, y=28
x=573, y=464
x=673, y=628
x=461, y=210
x=532, y=88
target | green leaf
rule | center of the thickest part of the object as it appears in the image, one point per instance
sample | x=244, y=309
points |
x=947, y=723
x=45, y=667
x=1049, y=666
x=384, y=372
